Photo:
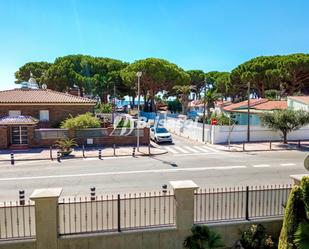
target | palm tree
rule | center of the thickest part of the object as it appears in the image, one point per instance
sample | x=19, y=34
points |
x=184, y=91
x=211, y=97
x=203, y=238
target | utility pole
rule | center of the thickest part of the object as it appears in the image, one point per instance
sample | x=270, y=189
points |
x=138, y=74
x=114, y=102
x=204, y=111
x=248, y=127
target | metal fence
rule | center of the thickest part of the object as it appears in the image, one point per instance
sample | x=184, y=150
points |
x=17, y=221
x=91, y=132
x=241, y=203
x=50, y=133
x=116, y=213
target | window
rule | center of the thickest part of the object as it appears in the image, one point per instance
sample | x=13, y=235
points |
x=14, y=113
x=44, y=115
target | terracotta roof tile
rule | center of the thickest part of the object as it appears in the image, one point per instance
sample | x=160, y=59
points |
x=303, y=99
x=244, y=104
x=272, y=105
x=40, y=96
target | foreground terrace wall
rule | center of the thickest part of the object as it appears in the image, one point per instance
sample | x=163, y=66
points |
x=46, y=216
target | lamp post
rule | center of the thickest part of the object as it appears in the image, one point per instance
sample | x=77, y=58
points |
x=139, y=75
x=204, y=111
x=114, y=102
x=248, y=127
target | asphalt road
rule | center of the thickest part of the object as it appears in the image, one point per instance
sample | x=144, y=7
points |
x=186, y=160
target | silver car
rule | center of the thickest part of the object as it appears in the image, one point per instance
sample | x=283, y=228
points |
x=160, y=135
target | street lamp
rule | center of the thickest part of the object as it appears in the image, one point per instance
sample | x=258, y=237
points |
x=204, y=111
x=248, y=127
x=139, y=75
x=114, y=104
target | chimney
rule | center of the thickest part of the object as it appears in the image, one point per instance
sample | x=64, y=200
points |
x=74, y=91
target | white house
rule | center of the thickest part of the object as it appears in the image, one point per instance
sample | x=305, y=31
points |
x=298, y=102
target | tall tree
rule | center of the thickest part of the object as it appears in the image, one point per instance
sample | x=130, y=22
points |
x=197, y=79
x=184, y=91
x=220, y=81
x=157, y=75
x=210, y=98
x=36, y=68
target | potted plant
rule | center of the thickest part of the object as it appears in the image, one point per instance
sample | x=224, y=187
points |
x=65, y=146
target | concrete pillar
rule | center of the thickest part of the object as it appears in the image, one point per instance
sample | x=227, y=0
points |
x=184, y=195
x=46, y=217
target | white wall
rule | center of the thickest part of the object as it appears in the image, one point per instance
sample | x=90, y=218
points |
x=257, y=133
x=188, y=128
x=238, y=133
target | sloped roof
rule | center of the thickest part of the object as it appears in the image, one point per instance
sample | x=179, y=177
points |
x=272, y=105
x=258, y=104
x=244, y=104
x=18, y=120
x=302, y=99
x=41, y=96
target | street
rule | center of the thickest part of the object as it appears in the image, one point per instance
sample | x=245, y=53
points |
x=208, y=167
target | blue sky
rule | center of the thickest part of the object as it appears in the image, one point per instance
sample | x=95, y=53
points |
x=195, y=34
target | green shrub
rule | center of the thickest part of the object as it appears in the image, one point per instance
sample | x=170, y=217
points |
x=104, y=108
x=256, y=238
x=294, y=214
x=66, y=144
x=301, y=239
x=203, y=238
x=82, y=121
x=304, y=184
x=222, y=118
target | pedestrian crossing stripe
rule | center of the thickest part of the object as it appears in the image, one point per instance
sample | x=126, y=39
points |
x=181, y=149
x=212, y=149
x=171, y=150
x=189, y=150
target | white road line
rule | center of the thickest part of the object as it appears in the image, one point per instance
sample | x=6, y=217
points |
x=201, y=149
x=106, y=158
x=124, y=173
x=196, y=154
x=191, y=149
x=287, y=164
x=209, y=148
x=180, y=149
x=261, y=165
x=170, y=150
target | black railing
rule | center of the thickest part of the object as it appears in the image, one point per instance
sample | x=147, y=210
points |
x=116, y=213
x=240, y=203
x=17, y=221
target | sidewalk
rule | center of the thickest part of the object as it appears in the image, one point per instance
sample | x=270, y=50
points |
x=263, y=146
x=46, y=154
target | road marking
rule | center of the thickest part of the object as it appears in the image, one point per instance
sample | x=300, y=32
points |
x=201, y=149
x=212, y=149
x=171, y=150
x=106, y=158
x=124, y=173
x=287, y=164
x=180, y=149
x=191, y=149
x=261, y=165
x=196, y=154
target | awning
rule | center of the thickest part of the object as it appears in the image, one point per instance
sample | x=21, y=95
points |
x=18, y=120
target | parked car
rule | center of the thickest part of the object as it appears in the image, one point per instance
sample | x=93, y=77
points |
x=160, y=134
